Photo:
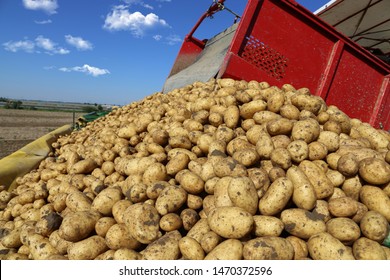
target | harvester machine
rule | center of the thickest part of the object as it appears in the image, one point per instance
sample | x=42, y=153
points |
x=340, y=52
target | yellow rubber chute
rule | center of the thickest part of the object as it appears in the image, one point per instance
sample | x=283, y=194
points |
x=28, y=158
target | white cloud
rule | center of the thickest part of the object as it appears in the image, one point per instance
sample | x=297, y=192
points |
x=90, y=70
x=157, y=37
x=78, y=42
x=43, y=21
x=120, y=18
x=25, y=45
x=147, y=6
x=49, y=46
x=138, y=2
x=34, y=46
x=173, y=40
x=49, y=6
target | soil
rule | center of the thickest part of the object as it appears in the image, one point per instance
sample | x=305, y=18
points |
x=20, y=127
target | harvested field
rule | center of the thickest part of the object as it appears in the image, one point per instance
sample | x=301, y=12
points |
x=20, y=127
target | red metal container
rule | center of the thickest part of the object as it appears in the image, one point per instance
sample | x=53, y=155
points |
x=281, y=42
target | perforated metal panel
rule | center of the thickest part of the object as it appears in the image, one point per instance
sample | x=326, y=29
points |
x=264, y=57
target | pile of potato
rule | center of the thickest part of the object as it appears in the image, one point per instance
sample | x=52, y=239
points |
x=219, y=170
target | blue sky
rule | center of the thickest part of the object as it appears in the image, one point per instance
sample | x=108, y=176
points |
x=106, y=51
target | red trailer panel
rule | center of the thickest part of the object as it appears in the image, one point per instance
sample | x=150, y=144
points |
x=281, y=42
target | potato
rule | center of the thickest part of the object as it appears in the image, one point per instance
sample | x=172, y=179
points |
x=78, y=225
x=103, y=225
x=367, y=249
x=359, y=152
x=374, y=171
x=331, y=125
x=136, y=166
x=337, y=180
x=323, y=246
x=142, y=221
x=317, y=150
x=118, y=210
x=154, y=190
x=387, y=251
x=376, y=199
x=230, y=221
x=107, y=255
x=15, y=256
x=59, y=202
x=209, y=241
x=242, y=193
x=268, y=248
x=199, y=229
x=231, y=116
x=83, y=166
x=289, y=111
x=106, y=199
x=237, y=144
x=307, y=102
x=154, y=173
x=300, y=247
x=304, y=195
x=164, y=248
x=171, y=222
x=118, y=237
x=279, y=126
x=191, y=249
x=330, y=139
x=362, y=209
x=264, y=146
x=87, y=249
x=246, y=157
x=177, y=163
x=299, y=150
x=137, y=193
x=190, y=182
x=170, y=199
x=194, y=202
x=307, y=130
x=127, y=254
x=376, y=138
x=267, y=226
x=302, y=223
x=275, y=101
x=351, y=187
x=348, y=165
x=323, y=187
x=226, y=82
x=230, y=249
x=31, y=215
x=12, y=239
x=343, y=206
x=189, y=218
x=344, y=229
x=127, y=131
x=281, y=157
x=26, y=197
x=40, y=247
x=78, y=201
x=374, y=226
x=48, y=224
x=180, y=142
x=60, y=244
x=276, y=197
x=247, y=110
